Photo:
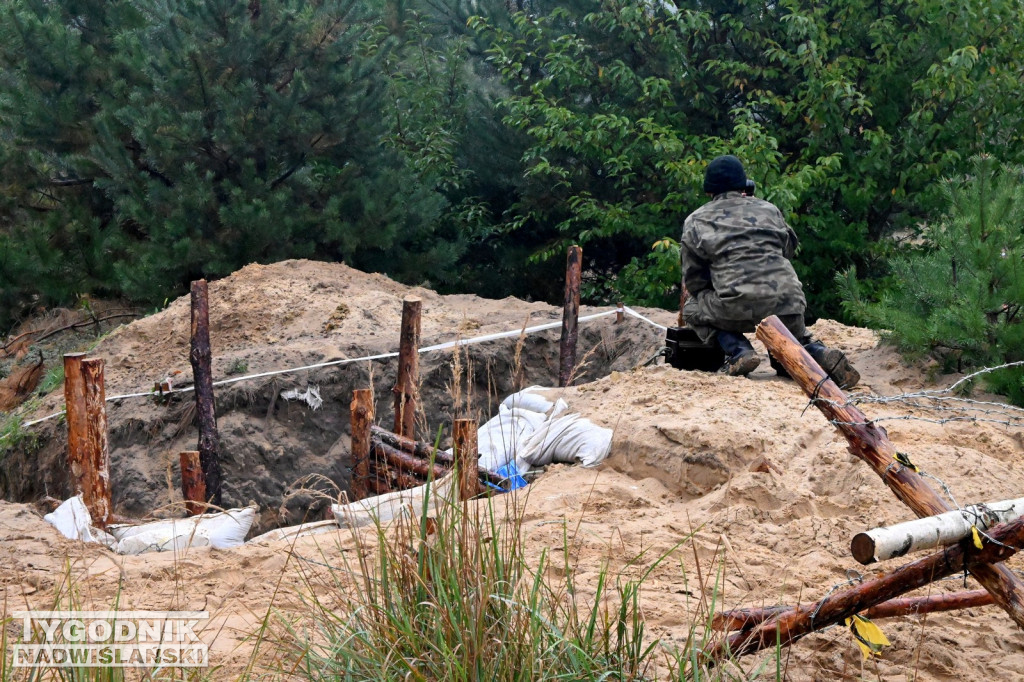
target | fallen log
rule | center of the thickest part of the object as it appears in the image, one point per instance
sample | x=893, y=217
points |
x=785, y=628
x=426, y=451
x=897, y=540
x=870, y=443
x=745, y=619
x=403, y=461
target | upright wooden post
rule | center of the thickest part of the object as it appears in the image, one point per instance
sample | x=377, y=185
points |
x=201, y=358
x=466, y=456
x=620, y=315
x=871, y=443
x=570, y=316
x=88, y=450
x=407, y=385
x=361, y=411
x=193, y=482
x=74, y=413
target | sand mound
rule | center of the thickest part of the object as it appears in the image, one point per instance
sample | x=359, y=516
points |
x=682, y=457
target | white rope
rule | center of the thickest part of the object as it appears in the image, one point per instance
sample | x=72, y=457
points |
x=426, y=349
x=630, y=311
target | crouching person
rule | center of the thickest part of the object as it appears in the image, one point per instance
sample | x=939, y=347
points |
x=736, y=252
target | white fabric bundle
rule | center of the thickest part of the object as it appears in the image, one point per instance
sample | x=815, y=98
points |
x=221, y=530
x=399, y=504
x=570, y=439
x=73, y=520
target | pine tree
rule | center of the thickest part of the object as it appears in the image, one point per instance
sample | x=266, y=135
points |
x=178, y=139
x=959, y=296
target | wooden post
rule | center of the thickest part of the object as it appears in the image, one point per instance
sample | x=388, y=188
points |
x=407, y=385
x=620, y=315
x=464, y=432
x=869, y=442
x=683, y=295
x=745, y=619
x=570, y=316
x=930, y=532
x=790, y=626
x=88, y=450
x=361, y=410
x=74, y=411
x=201, y=358
x=193, y=482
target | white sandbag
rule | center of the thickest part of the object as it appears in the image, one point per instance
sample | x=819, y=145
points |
x=500, y=438
x=399, y=504
x=221, y=530
x=294, y=532
x=570, y=439
x=73, y=520
x=532, y=399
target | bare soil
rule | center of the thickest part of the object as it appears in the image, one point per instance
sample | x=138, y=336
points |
x=684, y=447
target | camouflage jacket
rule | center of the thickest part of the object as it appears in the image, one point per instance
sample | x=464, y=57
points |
x=739, y=247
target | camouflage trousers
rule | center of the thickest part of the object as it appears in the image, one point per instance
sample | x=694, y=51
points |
x=705, y=313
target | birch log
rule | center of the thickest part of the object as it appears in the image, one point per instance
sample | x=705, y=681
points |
x=871, y=443
x=930, y=532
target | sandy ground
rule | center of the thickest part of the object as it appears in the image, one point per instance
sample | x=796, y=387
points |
x=683, y=447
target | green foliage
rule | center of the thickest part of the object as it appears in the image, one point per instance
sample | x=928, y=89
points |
x=844, y=112
x=959, y=295
x=162, y=141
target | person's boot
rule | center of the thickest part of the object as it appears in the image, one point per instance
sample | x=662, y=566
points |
x=741, y=365
x=835, y=364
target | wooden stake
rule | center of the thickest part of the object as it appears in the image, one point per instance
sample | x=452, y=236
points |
x=745, y=619
x=193, y=482
x=930, y=532
x=201, y=358
x=570, y=316
x=407, y=385
x=869, y=442
x=466, y=456
x=74, y=402
x=787, y=627
x=361, y=410
x=620, y=315
x=88, y=449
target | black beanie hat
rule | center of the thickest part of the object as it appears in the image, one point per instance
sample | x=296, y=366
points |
x=724, y=173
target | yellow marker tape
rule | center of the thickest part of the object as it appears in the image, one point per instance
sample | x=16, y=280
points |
x=869, y=637
x=977, y=537
x=903, y=459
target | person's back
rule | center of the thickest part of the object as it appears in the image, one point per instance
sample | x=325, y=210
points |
x=735, y=253
x=746, y=245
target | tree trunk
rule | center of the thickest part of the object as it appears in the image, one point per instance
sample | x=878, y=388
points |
x=869, y=442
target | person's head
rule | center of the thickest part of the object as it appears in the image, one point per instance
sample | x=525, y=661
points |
x=724, y=174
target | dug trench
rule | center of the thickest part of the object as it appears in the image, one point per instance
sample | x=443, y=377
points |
x=296, y=314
